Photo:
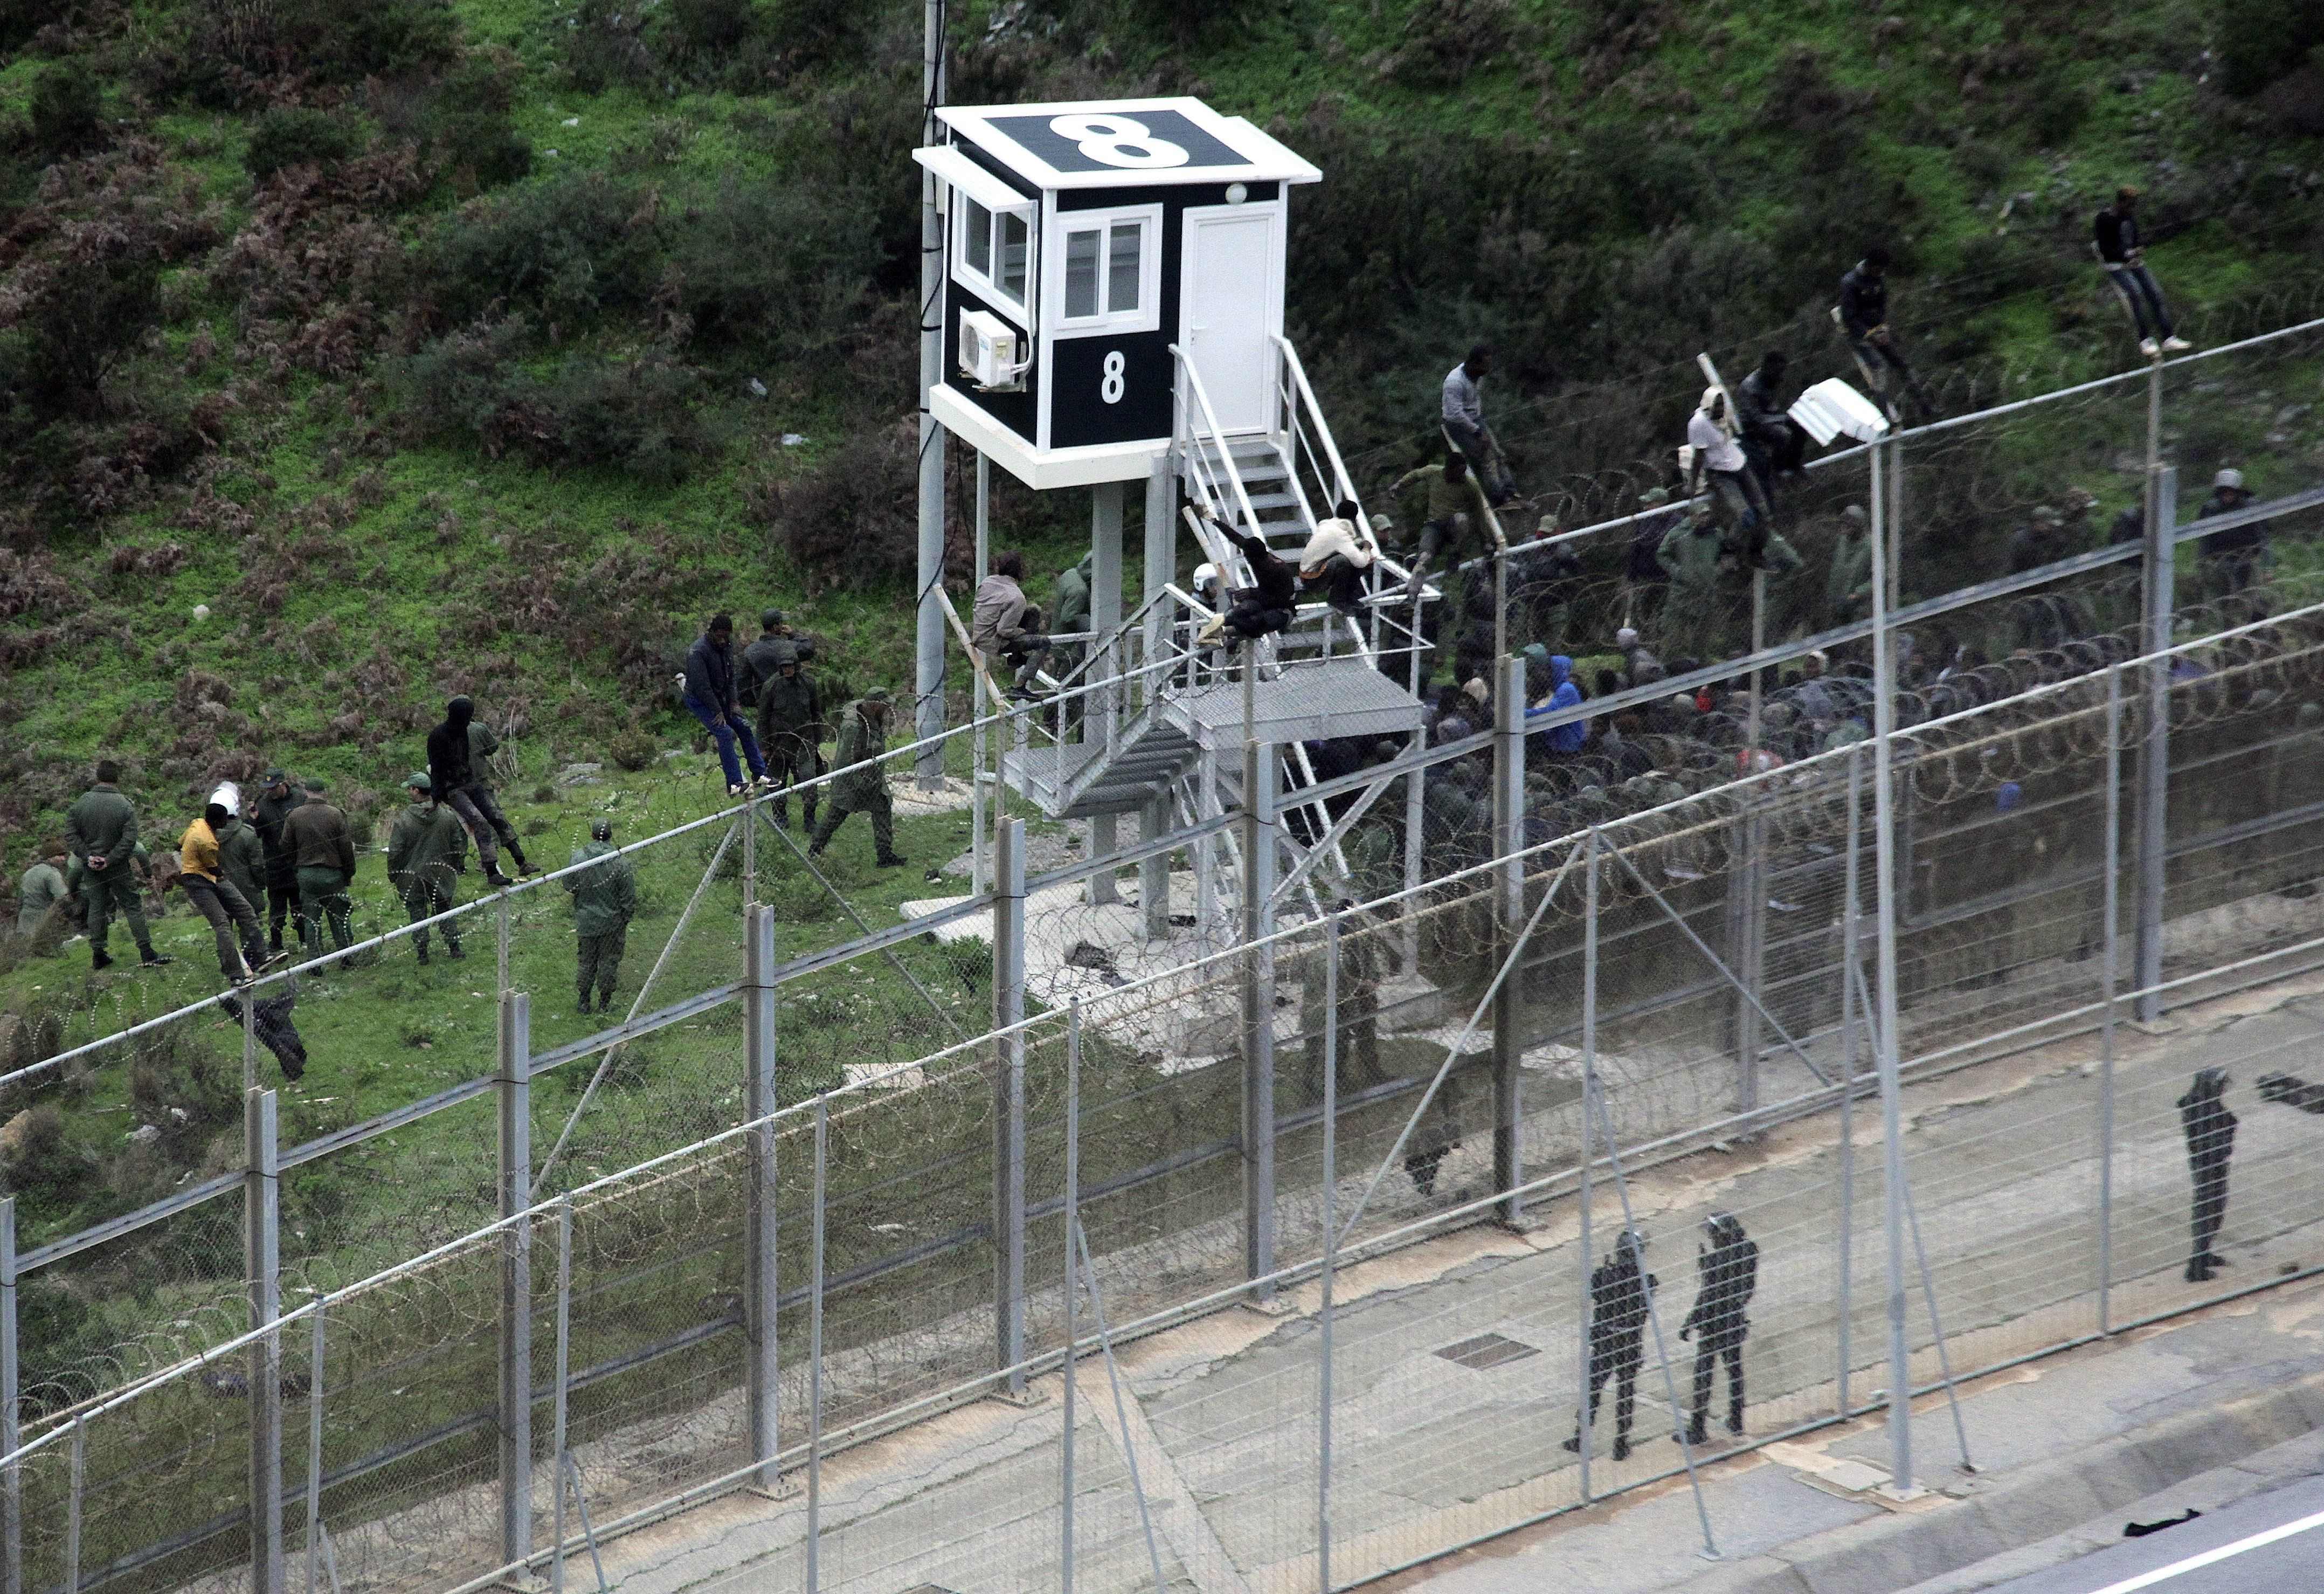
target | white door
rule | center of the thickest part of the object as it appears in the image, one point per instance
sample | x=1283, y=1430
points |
x=1230, y=307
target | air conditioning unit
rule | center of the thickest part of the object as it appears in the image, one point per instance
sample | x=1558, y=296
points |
x=989, y=352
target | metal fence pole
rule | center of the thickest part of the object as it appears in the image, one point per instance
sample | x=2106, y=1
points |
x=1154, y=873
x=1884, y=1037
x=12, y=1487
x=2110, y=899
x=814, y=1345
x=564, y=1381
x=500, y=944
x=315, y=1443
x=1415, y=809
x=1746, y=909
x=762, y=1384
x=1330, y=1253
x=76, y=1505
x=1508, y=1007
x=515, y=1400
x=1258, y=775
x=1850, y=958
x=1008, y=1106
x=2155, y=745
x=1101, y=709
x=1583, y=1426
x=262, y=1276
x=1072, y=1326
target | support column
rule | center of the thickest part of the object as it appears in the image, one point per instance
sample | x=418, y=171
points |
x=1105, y=620
x=1259, y=843
x=1161, y=548
x=12, y=1485
x=263, y=1278
x=1508, y=1005
x=928, y=673
x=1154, y=872
x=1009, y=1104
x=762, y=1386
x=2154, y=742
x=514, y=1089
x=1884, y=1000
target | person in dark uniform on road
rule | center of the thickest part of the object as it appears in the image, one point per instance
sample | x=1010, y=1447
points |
x=2210, y=1130
x=1727, y=1272
x=1620, y=1288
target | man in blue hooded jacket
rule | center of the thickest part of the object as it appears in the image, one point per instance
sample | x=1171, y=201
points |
x=1558, y=740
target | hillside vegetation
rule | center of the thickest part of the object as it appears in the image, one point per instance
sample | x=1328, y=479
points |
x=482, y=345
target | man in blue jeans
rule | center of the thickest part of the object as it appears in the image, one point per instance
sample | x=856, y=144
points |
x=2124, y=258
x=709, y=685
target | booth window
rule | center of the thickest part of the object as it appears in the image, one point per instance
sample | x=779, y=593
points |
x=995, y=249
x=1113, y=270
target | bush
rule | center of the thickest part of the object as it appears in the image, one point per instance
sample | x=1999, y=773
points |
x=294, y=137
x=38, y=1164
x=855, y=519
x=67, y=115
x=632, y=750
x=606, y=46
x=569, y=247
x=325, y=40
x=2260, y=41
x=1443, y=40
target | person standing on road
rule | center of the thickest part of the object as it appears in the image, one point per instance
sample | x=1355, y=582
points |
x=1726, y=1269
x=101, y=833
x=324, y=855
x=452, y=780
x=216, y=899
x=266, y=815
x=426, y=850
x=864, y=790
x=2210, y=1130
x=1621, y=1289
x=604, y=900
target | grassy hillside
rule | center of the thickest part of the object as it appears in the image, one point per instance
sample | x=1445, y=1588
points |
x=424, y=349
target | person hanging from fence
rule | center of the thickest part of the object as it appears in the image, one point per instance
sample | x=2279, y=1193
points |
x=1714, y=455
x=2211, y=1131
x=861, y=787
x=101, y=833
x=453, y=780
x=791, y=727
x=707, y=686
x=1338, y=558
x=241, y=940
x=1727, y=1272
x=1773, y=444
x=1620, y=1293
x=604, y=899
x=1267, y=604
x=1462, y=415
x=1863, y=317
x=2122, y=252
x=427, y=848
x=1455, y=512
x=2236, y=555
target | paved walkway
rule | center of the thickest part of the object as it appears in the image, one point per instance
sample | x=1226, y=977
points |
x=1456, y=1366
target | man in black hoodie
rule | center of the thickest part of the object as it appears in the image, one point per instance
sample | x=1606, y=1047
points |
x=2210, y=1130
x=1727, y=1271
x=711, y=695
x=451, y=773
x=1621, y=1289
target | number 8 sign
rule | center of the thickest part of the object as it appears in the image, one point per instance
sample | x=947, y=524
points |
x=1119, y=141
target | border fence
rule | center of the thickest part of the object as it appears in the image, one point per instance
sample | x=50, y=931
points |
x=872, y=1150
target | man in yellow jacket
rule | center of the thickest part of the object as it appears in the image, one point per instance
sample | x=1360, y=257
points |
x=216, y=899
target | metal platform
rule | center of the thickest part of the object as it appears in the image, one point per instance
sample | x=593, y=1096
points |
x=1136, y=775
x=1312, y=701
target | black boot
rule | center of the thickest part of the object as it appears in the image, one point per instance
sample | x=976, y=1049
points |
x=1574, y=1445
x=419, y=955
x=582, y=1002
x=494, y=878
x=1697, y=1430
x=517, y=852
x=1621, y=1447
x=1735, y=1418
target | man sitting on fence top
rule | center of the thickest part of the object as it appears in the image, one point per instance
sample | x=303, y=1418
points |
x=1004, y=626
x=1455, y=511
x=2123, y=254
x=1463, y=415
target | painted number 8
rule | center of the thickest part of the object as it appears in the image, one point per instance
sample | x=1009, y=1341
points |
x=1118, y=141
x=1113, y=388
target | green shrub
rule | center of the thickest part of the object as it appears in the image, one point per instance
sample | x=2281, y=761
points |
x=289, y=136
x=328, y=40
x=569, y=247
x=605, y=46
x=2260, y=41
x=67, y=115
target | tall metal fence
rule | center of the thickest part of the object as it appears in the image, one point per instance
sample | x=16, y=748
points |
x=1526, y=1035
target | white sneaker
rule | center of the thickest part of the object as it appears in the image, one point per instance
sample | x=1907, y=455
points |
x=2149, y=348
x=2176, y=345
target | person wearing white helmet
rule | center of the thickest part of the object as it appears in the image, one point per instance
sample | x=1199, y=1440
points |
x=2235, y=555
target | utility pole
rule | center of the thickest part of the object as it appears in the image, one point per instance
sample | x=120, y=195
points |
x=928, y=675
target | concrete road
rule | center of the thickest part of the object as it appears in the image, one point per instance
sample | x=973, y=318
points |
x=2272, y=1544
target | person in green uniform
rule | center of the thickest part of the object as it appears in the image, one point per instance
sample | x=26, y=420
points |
x=427, y=848
x=862, y=735
x=41, y=888
x=323, y=858
x=604, y=900
x=481, y=745
x=101, y=833
x=1848, y=588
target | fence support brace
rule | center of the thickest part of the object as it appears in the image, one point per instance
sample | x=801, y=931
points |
x=2154, y=744
x=1509, y=921
x=515, y=1092
x=12, y=1487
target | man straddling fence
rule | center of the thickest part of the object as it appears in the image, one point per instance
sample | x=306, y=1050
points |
x=481, y=745
x=1727, y=1272
x=862, y=737
x=1864, y=321
x=604, y=900
x=426, y=850
x=1620, y=1290
x=1004, y=626
x=101, y=833
x=1715, y=455
x=452, y=781
x=1463, y=416
x=1453, y=515
x=2123, y=254
x=708, y=687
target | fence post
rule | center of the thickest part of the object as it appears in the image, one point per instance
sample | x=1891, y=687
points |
x=1154, y=872
x=1583, y=1427
x=1100, y=708
x=12, y=1488
x=1009, y=1104
x=2155, y=745
x=1509, y=1004
x=1851, y=956
x=515, y=1092
x=762, y=1384
x=262, y=1258
x=1259, y=773
x=1747, y=933
x=2110, y=905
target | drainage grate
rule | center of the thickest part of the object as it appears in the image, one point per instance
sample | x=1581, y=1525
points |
x=1488, y=1350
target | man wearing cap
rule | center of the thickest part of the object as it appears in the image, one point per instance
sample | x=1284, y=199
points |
x=790, y=722
x=101, y=833
x=1848, y=588
x=266, y=815
x=216, y=899
x=763, y=658
x=323, y=856
x=2236, y=554
x=863, y=789
x=1638, y=660
x=2123, y=253
x=426, y=850
x=710, y=697
x=481, y=745
x=604, y=900
x=2039, y=542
